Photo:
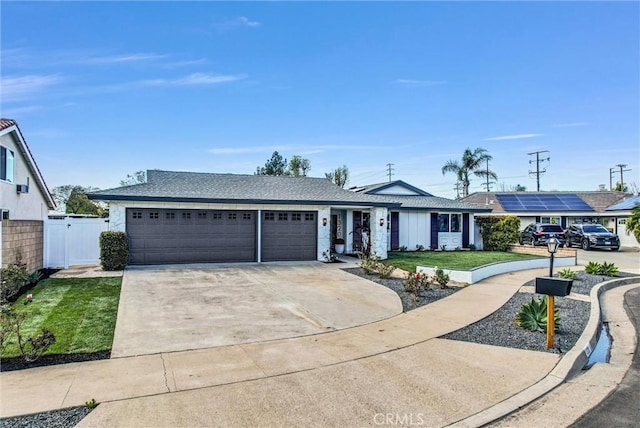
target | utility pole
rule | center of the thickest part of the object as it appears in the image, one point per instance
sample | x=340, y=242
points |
x=621, y=166
x=538, y=172
x=611, y=178
x=457, y=188
x=487, y=184
x=390, y=170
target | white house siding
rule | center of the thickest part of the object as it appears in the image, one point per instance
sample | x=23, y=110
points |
x=396, y=191
x=415, y=229
x=118, y=210
x=626, y=240
x=21, y=206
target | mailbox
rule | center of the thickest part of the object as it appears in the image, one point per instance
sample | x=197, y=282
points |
x=554, y=286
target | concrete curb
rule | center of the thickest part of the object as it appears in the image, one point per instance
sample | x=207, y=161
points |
x=570, y=365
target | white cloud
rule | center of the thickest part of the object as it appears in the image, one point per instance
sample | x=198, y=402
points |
x=418, y=83
x=19, y=111
x=570, y=124
x=120, y=59
x=239, y=22
x=512, y=137
x=16, y=88
x=196, y=79
x=243, y=20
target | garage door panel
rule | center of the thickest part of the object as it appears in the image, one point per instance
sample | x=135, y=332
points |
x=290, y=235
x=190, y=236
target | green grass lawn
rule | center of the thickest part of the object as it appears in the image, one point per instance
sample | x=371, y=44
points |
x=81, y=313
x=461, y=260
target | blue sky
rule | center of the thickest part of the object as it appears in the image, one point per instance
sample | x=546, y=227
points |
x=104, y=89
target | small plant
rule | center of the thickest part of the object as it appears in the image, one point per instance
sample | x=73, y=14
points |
x=12, y=277
x=34, y=277
x=441, y=278
x=420, y=247
x=403, y=248
x=443, y=247
x=472, y=247
x=368, y=264
x=533, y=315
x=329, y=256
x=385, y=270
x=28, y=299
x=458, y=248
x=567, y=273
x=605, y=268
x=416, y=283
x=91, y=404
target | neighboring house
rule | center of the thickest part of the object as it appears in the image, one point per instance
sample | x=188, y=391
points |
x=423, y=219
x=24, y=203
x=563, y=208
x=620, y=212
x=186, y=217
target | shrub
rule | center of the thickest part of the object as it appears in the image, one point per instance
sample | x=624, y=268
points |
x=533, y=315
x=368, y=264
x=31, y=347
x=568, y=274
x=606, y=269
x=441, y=278
x=415, y=283
x=472, y=247
x=403, y=248
x=114, y=250
x=420, y=247
x=385, y=270
x=499, y=233
x=12, y=278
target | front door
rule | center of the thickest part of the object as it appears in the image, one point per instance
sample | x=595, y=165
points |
x=395, y=231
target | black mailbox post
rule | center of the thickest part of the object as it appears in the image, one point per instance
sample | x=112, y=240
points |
x=554, y=286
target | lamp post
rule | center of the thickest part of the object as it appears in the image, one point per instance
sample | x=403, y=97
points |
x=552, y=247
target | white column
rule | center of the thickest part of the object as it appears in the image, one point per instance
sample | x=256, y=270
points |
x=324, y=232
x=259, y=232
x=378, y=232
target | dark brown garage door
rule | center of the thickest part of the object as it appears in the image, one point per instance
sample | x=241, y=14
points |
x=159, y=236
x=289, y=235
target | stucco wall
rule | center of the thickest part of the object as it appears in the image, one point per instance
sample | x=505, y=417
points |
x=21, y=206
x=22, y=241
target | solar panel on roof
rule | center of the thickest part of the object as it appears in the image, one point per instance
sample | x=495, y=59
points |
x=543, y=202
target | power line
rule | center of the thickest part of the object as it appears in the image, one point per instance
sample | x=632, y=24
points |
x=538, y=172
x=457, y=188
x=390, y=170
x=621, y=166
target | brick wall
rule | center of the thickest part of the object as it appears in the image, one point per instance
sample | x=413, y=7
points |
x=542, y=251
x=22, y=240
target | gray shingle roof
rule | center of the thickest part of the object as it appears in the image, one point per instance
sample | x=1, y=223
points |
x=211, y=187
x=435, y=203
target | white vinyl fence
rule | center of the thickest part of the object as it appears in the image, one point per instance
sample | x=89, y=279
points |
x=72, y=241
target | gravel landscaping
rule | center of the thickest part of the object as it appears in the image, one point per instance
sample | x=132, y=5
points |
x=63, y=418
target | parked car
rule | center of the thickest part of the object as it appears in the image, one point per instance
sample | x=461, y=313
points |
x=590, y=235
x=539, y=234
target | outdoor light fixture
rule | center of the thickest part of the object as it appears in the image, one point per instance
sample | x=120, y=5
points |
x=552, y=247
x=381, y=222
x=324, y=221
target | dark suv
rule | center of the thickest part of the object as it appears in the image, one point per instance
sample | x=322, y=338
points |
x=592, y=235
x=539, y=234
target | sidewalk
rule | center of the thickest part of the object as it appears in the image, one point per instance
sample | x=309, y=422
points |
x=350, y=377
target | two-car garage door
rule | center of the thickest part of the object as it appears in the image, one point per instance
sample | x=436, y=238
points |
x=159, y=236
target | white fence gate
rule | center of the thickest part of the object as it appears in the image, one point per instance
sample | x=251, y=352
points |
x=72, y=241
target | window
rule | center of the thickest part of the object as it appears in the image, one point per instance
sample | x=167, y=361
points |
x=232, y=216
x=283, y=216
x=7, y=162
x=246, y=216
x=186, y=216
x=296, y=216
x=202, y=216
x=308, y=217
x=136, y=214
x=217, y=216
x=552, y=220
x=269, y=216
x=170, y=216
x=154, y=216
x=449, y=222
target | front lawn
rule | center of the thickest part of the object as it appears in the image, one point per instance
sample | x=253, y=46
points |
x=460, y=260
x=81, y=313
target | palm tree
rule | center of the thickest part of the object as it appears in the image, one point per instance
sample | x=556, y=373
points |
x=472, y=162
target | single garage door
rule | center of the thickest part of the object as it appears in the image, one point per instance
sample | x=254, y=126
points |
x=289, y=235
x=158, y=236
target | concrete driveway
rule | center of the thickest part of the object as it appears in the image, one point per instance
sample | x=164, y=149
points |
x=184, y=307
x=627, y=259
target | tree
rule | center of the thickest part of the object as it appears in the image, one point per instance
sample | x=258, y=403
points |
x=472, y=163
x=79, y=203
x=138, y=177
x=517, y=188
x=633, y=223
x=339, y=176
x=62, y=193
x=275, y=166
x=620, y=188
x=298, y=166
